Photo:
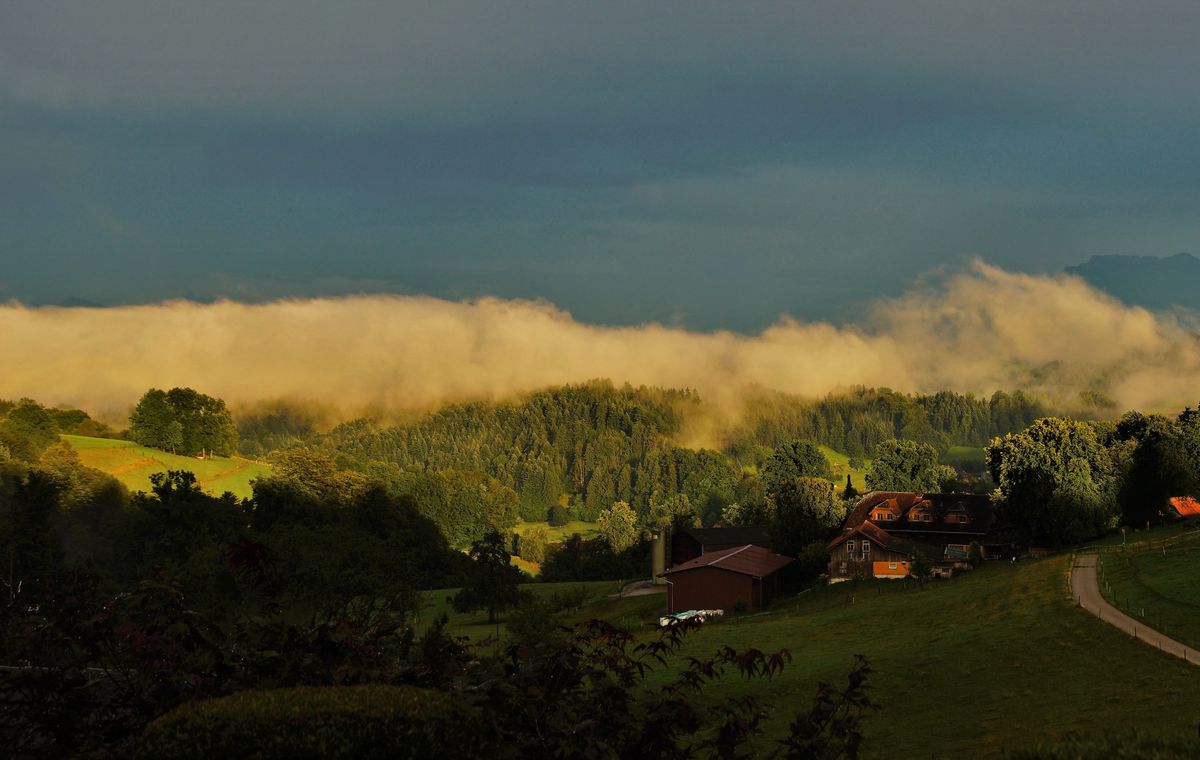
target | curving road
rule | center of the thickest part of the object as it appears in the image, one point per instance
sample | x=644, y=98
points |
x=1086, y=588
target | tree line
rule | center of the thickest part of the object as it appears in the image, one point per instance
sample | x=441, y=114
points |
x=1062, y=481
x=585, y=447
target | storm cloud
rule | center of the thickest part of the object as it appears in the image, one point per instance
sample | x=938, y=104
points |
x=704, y=164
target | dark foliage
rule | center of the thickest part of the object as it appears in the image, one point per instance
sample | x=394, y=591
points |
x=580, y=559
x=492, y=583
x=340, y=722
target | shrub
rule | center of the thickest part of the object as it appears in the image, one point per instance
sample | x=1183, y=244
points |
x=558, y=516
x=532, y=545
x=371, y=721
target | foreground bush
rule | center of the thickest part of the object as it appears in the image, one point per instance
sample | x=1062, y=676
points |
x=318, y=722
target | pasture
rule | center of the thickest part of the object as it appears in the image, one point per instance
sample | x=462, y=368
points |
x=969, y=458
x=840, y=464
x=1158, y=586
x=133, y=465
x=561, y=532
x=989, y=662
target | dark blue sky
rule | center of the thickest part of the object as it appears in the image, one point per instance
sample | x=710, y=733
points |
x=711, y=164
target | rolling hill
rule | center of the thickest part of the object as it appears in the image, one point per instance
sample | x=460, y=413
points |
x=133, y=465
x=980, y=665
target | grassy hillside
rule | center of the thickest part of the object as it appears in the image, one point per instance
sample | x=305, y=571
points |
x=994, y=660
x=562, y=532
x=969, y=458
x=1158, y=586
x=133, y=465
x=840, y=464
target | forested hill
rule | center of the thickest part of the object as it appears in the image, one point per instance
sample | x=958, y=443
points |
x=592, y=444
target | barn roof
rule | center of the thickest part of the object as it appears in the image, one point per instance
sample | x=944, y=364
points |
x=754, y=534
x=746, y=560
x=1185, y=506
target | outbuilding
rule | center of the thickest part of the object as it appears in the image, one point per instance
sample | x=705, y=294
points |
x=720, y=580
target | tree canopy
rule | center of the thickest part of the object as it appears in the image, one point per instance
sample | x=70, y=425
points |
x=183, y=421
x=619, y=526
x=492, y=583
x=805, y=510
x=906, y=466
x=1056, y=480
x=795, y=459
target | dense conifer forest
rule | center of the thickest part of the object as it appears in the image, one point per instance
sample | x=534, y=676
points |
x=587, y=446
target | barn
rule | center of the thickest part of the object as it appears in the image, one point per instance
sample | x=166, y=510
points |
x=719, y=580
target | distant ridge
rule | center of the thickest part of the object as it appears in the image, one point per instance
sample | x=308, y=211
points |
x=1148, y=281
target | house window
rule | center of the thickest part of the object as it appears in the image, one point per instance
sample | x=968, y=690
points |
x=866, y=549
x=927, y=518
x=891, y=566
x=849, y=547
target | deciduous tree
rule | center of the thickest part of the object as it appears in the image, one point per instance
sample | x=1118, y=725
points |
x=901, y=465
x=795, y=459
x=492, y=582
x=619, y=526
x=1056, y=481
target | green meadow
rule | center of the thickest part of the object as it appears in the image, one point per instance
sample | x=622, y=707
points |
x=969, y=458
x=840, y=464
x=562, y=532
x=989, y=662
x=133, y=465
x=1159, y=586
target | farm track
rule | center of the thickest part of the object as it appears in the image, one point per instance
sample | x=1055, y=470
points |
x=1085, y=586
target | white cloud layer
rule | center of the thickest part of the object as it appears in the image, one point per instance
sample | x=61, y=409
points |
x=980, y=330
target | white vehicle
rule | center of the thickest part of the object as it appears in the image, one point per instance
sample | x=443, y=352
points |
x=698, y=615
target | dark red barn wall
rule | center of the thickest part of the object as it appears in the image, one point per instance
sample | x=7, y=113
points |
x=710, y=588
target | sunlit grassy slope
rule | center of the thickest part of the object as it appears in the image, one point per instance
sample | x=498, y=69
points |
x=133, y=465
x=991, y=661
x=561, y=532
x=969, y=458
x=840, y=464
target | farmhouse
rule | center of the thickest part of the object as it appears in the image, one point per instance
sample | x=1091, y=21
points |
x=886, y=528
x=719, y=580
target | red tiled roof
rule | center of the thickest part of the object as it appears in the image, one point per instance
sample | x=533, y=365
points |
x=1185, y=506
x=747, y=560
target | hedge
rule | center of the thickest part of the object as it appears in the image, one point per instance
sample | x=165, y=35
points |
x=318, y=722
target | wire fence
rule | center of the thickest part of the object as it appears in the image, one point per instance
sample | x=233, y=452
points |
x=1118, y=576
